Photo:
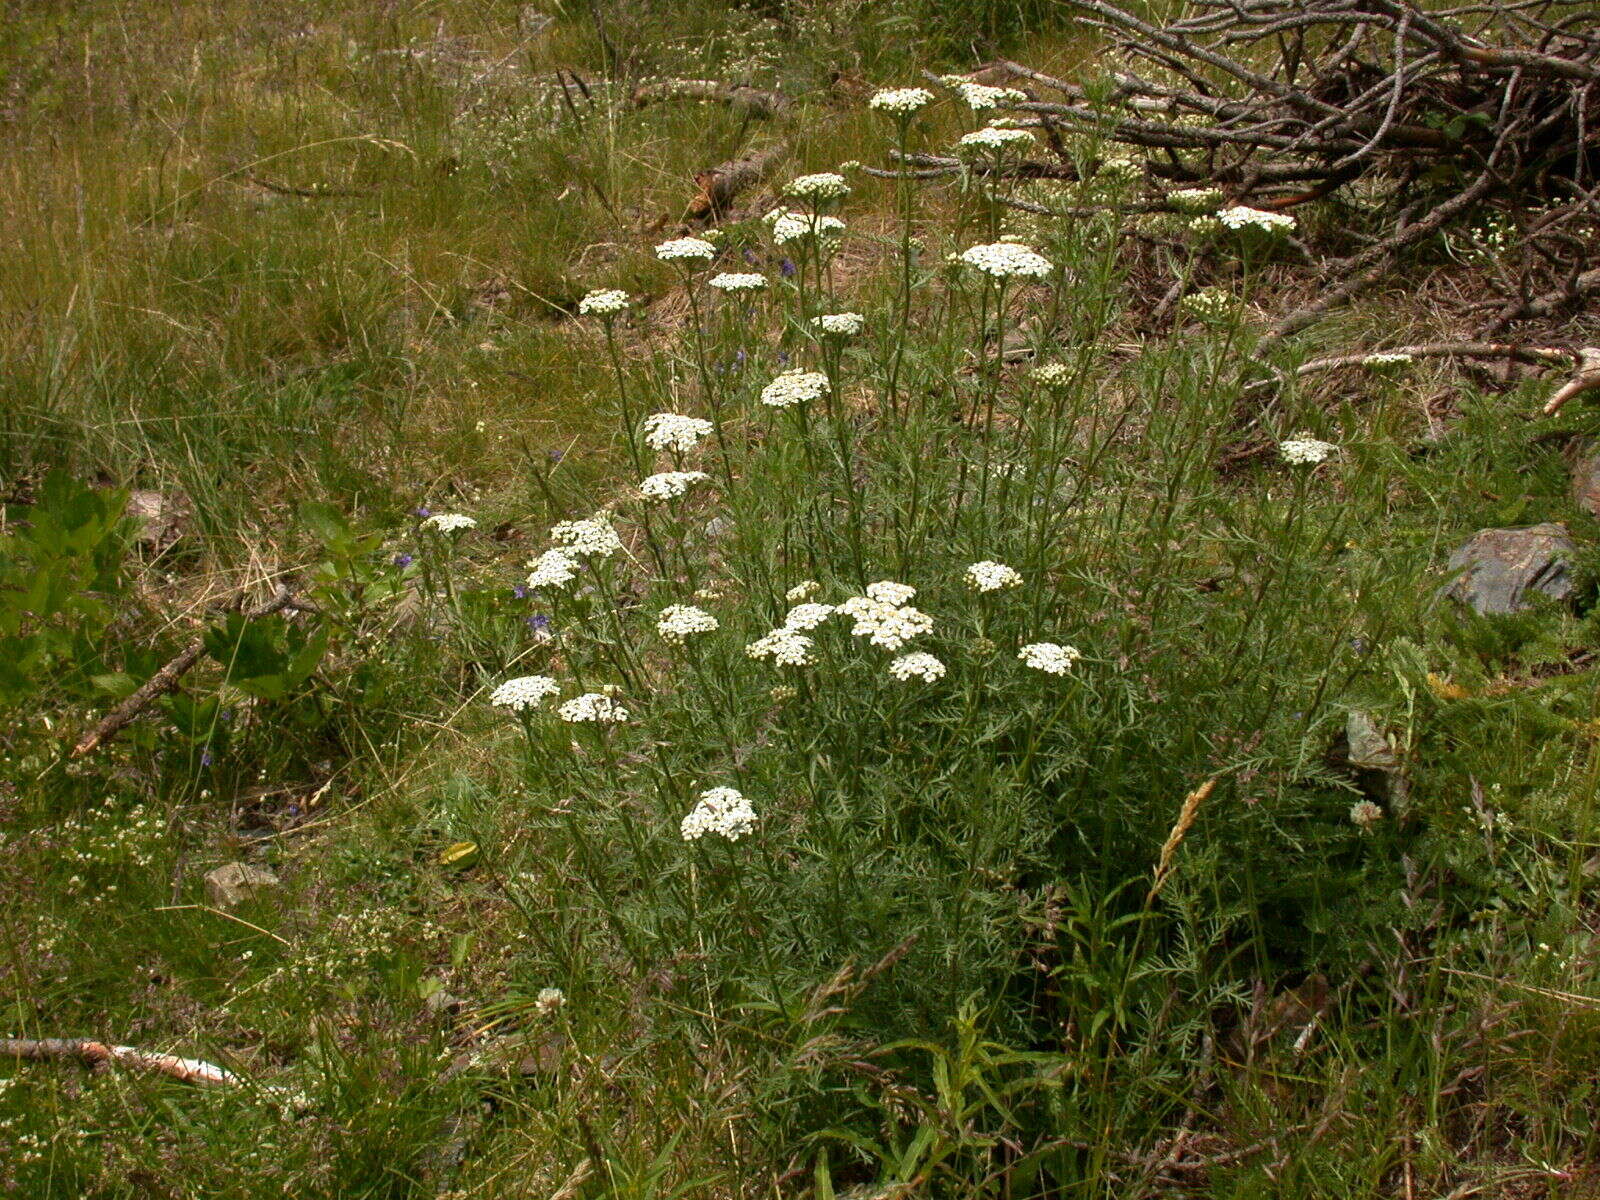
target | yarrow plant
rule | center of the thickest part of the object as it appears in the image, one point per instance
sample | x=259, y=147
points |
x=737, y=281
x=592, y=537
x=1208, y=304
x=807, y=616
x=1242, y=216
x=785, y=647
x=825, y=185
x=670, y=431
x=917, y=666
x=803, y=590
x=529, y=691
x=1049, y=657
x=795, y=387
x=901, y=102
x=995, y=139
x=1007, y=260
x=846, y=324
x=980, y=97
x=1052, y=374
x=721, y=810
x=1195, y=200
x=990, y=576
x=887, y=591
x=885, y=624
x=686, y=249
x=595, y=708
x=449, y=523
x=670, y=485
x=798, y=226
x=1387, y=358
x=679, y=622
x=553, y=569
x=603, y=302
x=1305, y=451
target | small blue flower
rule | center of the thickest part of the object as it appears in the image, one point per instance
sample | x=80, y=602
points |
x=553, y=455
x=520, y=591
x=538, y=621
x=402, y=560
x=783, y=358
x=739, y=357
x=205, y=758
x=786, y=268
x=424, y=511
x=749, y=256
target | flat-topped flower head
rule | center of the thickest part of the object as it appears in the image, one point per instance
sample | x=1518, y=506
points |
x=603, y=302
x=670, y=485
x=721, y=810
x=1387, y=358
x=449, y=523
x=824, y=185
x=901, y=102
x=1305, y=451
x=670, y=431
x=887, y=591
x=1052, y=374
x=679, y=622
x=737, y=281
x=785, y=647
x=840, y=325
x=1242, y=216
x=1195, y=200
x=889, y=626
x=686, y=250
x=1209, y=303
x=995, y=139
x=807, y=616
x=980, y=97
x=592, y=537
x=798, y=226
x=1049, y=657
x=1007, y=260
x=990, y=576
x=553, y=569
x=795, y=387
x=803, y=590
x=593, y=708
x=917, y=666
x=527, y=692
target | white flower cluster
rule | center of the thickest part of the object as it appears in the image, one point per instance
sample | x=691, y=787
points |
x=996, y=139
x=901, y=102
x=1120, y=167
x=553, y=569
x=825, y=185
x=679, y=621
x=1364, y=814
x=549, y=1000
x=845, y=324
x=670, y=431
x=1387, y=358
x=1306, y=451
x=1208, y=303
x=603, y=302
x=917, y=666
x=794, y=387
x=670, y=485
x=1052, y=374
x=737, y=281
x=806, y=616
x=887, y=591
x=1049, y=657
x=593, y=708
x=990, y=576
x=980, y=97
x=1007, y=260
x=790, y=226
x=785, y=647
x=527, y=692
x=887, y=623
x=686, y=249
x=803, y=590
x=591, y=537
x=449, y=523
x=1242, y=216
x=722, y=810
x=1195, y=200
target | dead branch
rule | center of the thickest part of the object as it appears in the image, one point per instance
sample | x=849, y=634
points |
x=1586, y=379
x=189, y=1070
x=722, y=184
x=1538, y=355
x=747, y=101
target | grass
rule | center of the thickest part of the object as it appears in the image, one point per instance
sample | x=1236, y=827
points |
x=976, y=942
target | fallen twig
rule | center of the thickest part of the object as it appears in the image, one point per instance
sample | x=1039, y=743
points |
x=751, y=101
x=189, y=1070
x=722, y=184
x=1587, y=379
x=1540, y=355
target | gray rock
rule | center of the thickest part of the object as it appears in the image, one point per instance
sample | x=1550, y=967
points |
x=717, y=527
x=1369, y=745
x=1497, y=568
x=1586, y=482
x=231, y=884
x=161, y=517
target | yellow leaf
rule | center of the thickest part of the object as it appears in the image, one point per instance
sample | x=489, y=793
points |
x=1441, y=687
x=458, y=855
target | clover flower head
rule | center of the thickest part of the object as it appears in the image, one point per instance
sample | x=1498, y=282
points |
x=1305, y=451
x=995, y=138
x=737, y=281
x=807, y=616
x=917, y=666
x=785, y=647
x=686, y=249
x=794, y=387
x=549, y=1000
x=901, y=102
x=797, y=226
x=1049, y=657
x=845, y=324
x=603, y=302
x=1364, y=814
x=1208, y=303
x=721, y=810
x=670, y=431
x=1242, y=216
x=1195, y=200
x=679, y=622
x=594, y=708
x=980, y=97
x=990, y=576
x=553, y=569
x=1007, y=260
x=825, y=185
x=803, y=590
x=887, y=591
x=670, y=485
x=529, y=691
x=592, y=537
x=1052, y=374
x=449, y=523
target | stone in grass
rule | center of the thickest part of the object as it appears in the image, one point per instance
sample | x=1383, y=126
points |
x=1497, y=568
x=231, y=884
x=1373, y=760
x=1586, y=482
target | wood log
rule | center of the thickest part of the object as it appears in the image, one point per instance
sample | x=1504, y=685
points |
x=722, y=184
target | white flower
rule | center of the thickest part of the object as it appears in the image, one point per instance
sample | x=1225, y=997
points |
x=553, y=569
x=1005, y=260
x=824, y=185
x=592, y=537
x=803, y=590
x=679, y=621
x=886, y=591
x=785, y=647
x=1120, y=167
x=722, y=810
x=794, y=387
x=669, y=431
x=1195, y=200
x=527, y=692
x=1242, y=216
x=603, y=302
x=807, y=616
x=1049, y=657
x=737, y=281
x=796, y=226
x=1208, y=303
x=901, y=102
x=990, y=576
x=670, y=485
x=1306, y=451
x=917, y=666
x=996, y=139
x=1052, y=374
x=845, y=324
x=549, y=999
x=593, y=707
x=449, y=523
x=686, y=249
x=889, y=626
x=980, y=97
x=1387, y=358
x=1365, y=814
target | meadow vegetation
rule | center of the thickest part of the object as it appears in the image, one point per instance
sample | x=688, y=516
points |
x=838, y=699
